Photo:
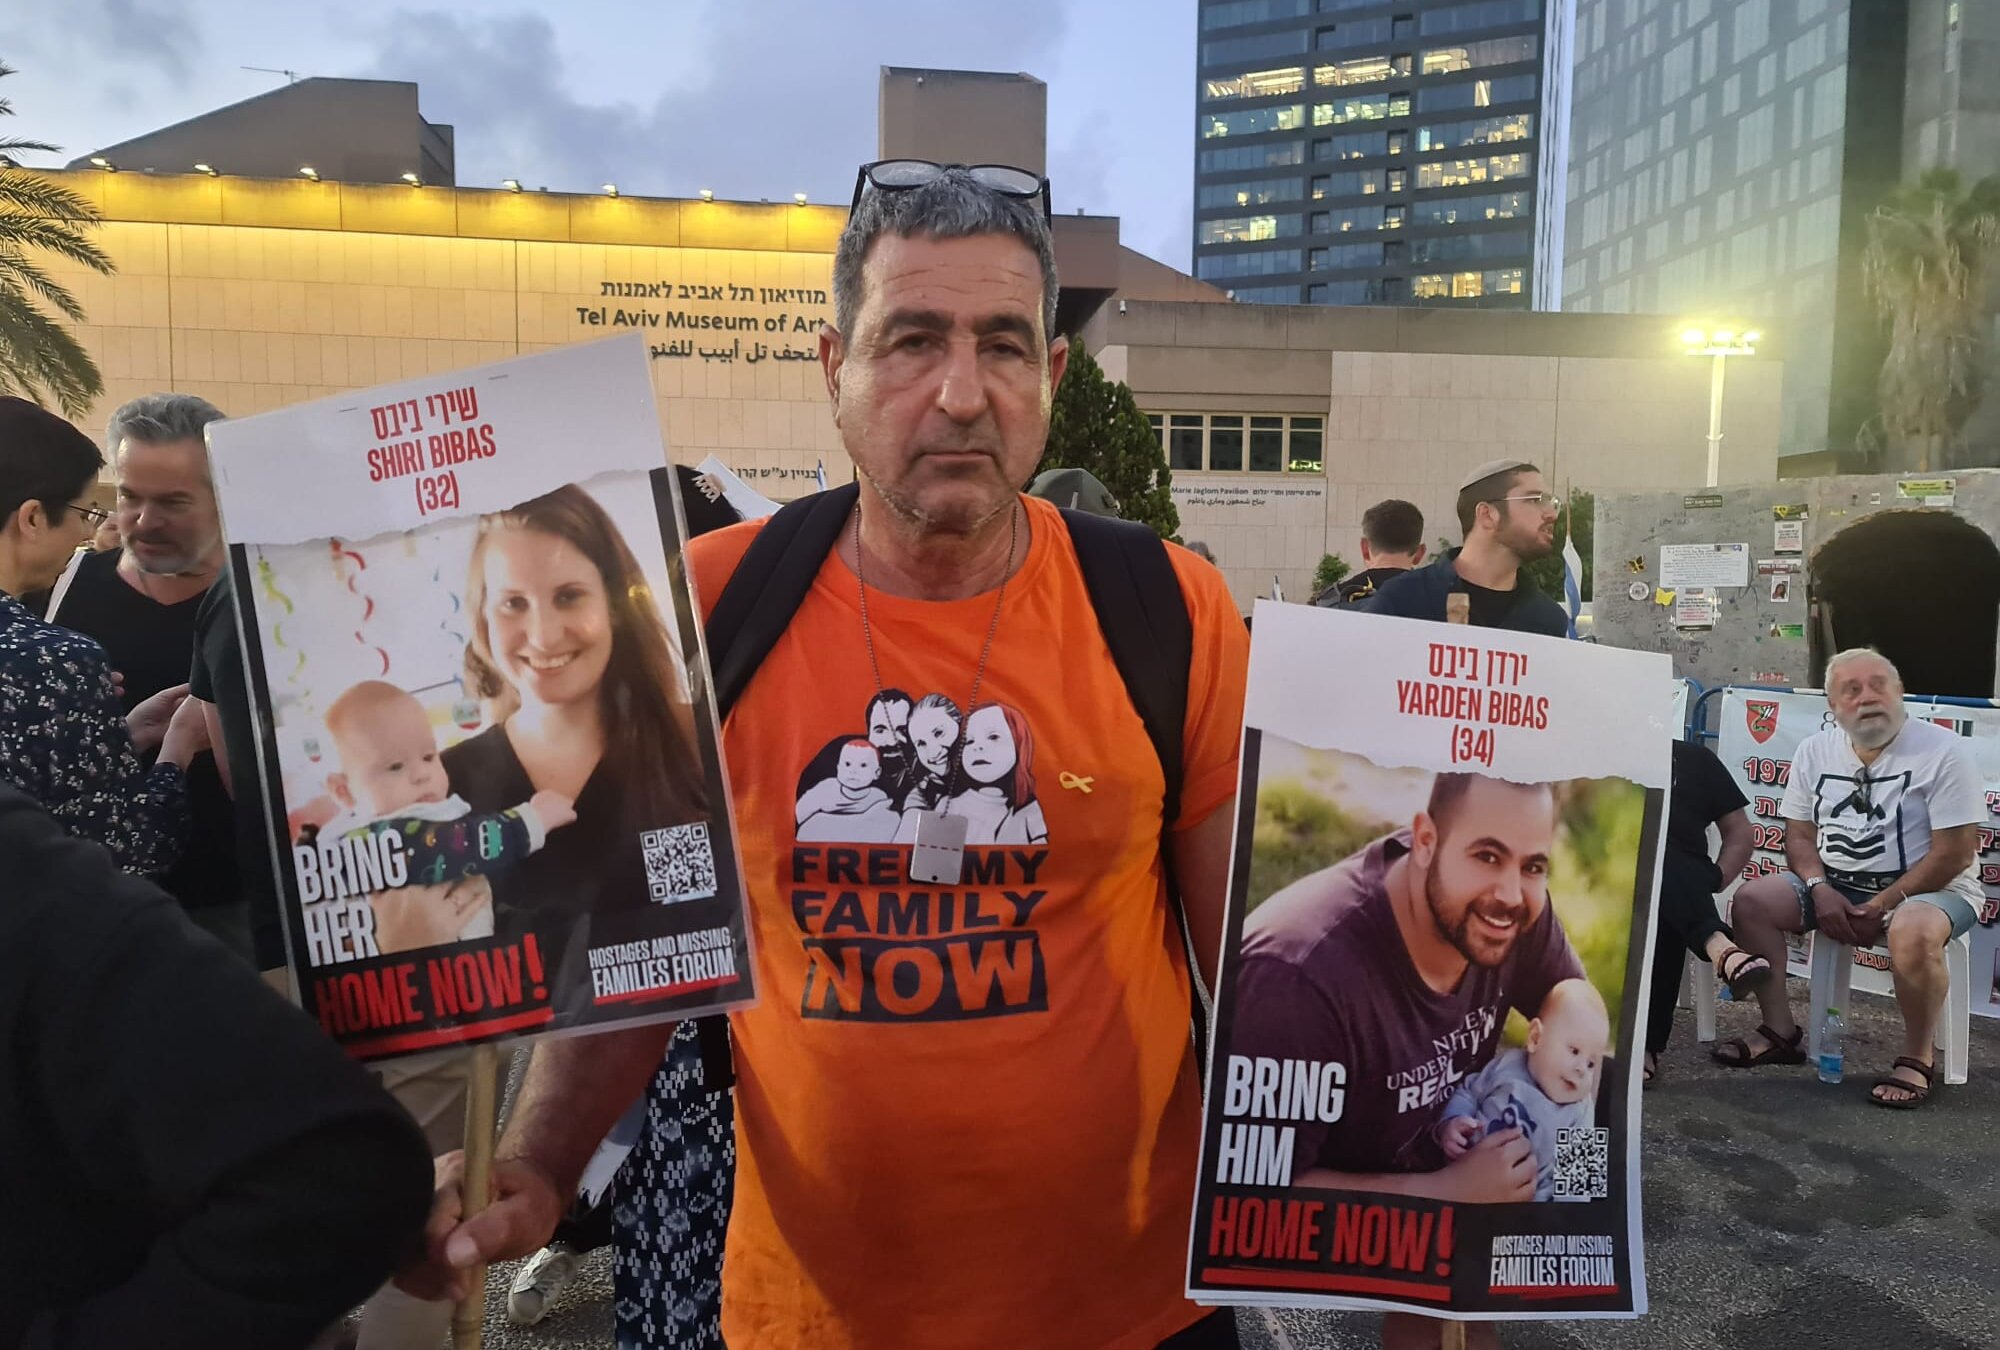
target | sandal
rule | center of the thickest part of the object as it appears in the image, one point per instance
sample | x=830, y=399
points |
x=1651, y=1068
x=1919, y=1092
x=1744, y=972
x=1781, y=1050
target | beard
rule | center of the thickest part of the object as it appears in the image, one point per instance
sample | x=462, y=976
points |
x=1526, y=543
x=1459, y=934
x=171, y=564
x=1873, y=732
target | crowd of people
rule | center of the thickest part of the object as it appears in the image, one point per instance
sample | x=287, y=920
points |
x=207, y=1169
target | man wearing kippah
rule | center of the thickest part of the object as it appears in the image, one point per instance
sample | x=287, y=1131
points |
x=1509, y=518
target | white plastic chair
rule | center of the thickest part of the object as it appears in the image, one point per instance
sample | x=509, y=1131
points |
x=1832, y=987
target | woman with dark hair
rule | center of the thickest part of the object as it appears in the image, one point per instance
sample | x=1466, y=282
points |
x=566, y=638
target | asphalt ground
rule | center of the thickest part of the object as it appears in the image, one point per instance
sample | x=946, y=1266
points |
x=1780, y=1214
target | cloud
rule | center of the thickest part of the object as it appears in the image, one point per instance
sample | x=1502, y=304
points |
x=128, y=32
x=759, y=107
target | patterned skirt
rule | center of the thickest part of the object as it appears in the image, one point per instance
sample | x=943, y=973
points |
x=671, y=1210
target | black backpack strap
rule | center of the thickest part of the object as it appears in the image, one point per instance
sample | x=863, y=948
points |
x=751, y=614
x=1137, y=596
x=768, y=586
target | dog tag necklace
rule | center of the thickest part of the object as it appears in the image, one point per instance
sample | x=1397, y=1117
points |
x=938, y=856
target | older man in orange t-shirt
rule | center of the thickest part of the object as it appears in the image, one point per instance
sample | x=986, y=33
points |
x=967, y=1109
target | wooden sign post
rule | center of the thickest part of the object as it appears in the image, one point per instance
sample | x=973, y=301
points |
x=481, y=1115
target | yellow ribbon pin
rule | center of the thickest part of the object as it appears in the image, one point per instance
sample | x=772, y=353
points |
x=1070, y=780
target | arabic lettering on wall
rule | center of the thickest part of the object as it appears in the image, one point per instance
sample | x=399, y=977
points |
x=770, y=323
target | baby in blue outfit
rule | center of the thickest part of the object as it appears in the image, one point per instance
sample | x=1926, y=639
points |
x=1549, y=1086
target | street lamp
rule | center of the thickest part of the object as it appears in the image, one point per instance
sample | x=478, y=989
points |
x=1719, y=344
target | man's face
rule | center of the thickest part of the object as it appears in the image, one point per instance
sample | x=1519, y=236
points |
x=1867, y=701
x=1527, y=529
x=888, y=724
x=1486, y=875
x=942, y=392
x=166, y=508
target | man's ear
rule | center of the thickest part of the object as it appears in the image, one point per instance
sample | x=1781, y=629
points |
x=832, y=356
x=1423, y=840
x=1367, y=556
x=336, y=784
x=1058, y=362
x=1417, y=558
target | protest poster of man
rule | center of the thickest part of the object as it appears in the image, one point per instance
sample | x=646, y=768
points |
x=1422, y=1091
x=494, y=791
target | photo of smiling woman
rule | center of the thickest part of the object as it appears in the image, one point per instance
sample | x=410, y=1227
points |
x=568, y=648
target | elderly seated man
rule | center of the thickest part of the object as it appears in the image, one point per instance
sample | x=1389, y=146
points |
x=1881, y=819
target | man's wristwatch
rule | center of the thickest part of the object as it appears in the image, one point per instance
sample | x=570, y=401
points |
x=1814, y=883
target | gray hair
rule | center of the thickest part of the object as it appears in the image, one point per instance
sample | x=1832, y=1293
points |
x=952, y=206
x=160, y=419
x=1850, y=656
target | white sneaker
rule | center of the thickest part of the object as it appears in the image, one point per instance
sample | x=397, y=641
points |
x=539, y=1283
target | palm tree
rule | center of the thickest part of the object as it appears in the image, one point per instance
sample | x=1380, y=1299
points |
x=39, y=359
x=1925, y=267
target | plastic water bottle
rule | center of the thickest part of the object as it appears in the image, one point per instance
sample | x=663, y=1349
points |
x=1829, y=1046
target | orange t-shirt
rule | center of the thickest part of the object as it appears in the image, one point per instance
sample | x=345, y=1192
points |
x=966, y=1115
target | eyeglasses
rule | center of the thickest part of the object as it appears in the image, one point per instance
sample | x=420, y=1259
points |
x=901, y=175
x=1541, y=499
x=95, y=515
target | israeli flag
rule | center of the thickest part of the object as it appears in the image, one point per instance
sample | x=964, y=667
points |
x=819, y=472
x=1572, y=583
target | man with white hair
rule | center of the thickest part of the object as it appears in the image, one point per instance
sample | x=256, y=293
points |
x=1881, y=832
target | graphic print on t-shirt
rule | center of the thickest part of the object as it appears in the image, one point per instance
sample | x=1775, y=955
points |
x=881, y=947
x=869, y=787
x=1861, y=821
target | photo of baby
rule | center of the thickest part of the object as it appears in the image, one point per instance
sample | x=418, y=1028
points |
x=849, y=806
x=392, y=785
x=1547, y=1085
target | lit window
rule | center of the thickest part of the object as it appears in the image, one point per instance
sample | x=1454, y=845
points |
x=1362, y=70
x=1257, y=84
x=1252, y=121
x=1247, y=229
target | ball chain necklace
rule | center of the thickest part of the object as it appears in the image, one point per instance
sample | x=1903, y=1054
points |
x=938, y=856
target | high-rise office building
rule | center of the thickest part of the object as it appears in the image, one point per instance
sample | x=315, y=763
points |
x=1724, y=156
x=1370, y=151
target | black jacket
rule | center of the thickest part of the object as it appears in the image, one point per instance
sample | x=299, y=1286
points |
x=188, y=1161
x=1420, y=594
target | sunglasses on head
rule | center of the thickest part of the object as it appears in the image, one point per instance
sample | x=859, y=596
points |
x=901, y=175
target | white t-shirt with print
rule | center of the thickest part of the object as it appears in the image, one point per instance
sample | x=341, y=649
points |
x=1877, y=819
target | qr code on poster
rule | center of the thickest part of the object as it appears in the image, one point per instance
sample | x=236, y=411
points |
x=1583, y=1164
x=679, y=863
